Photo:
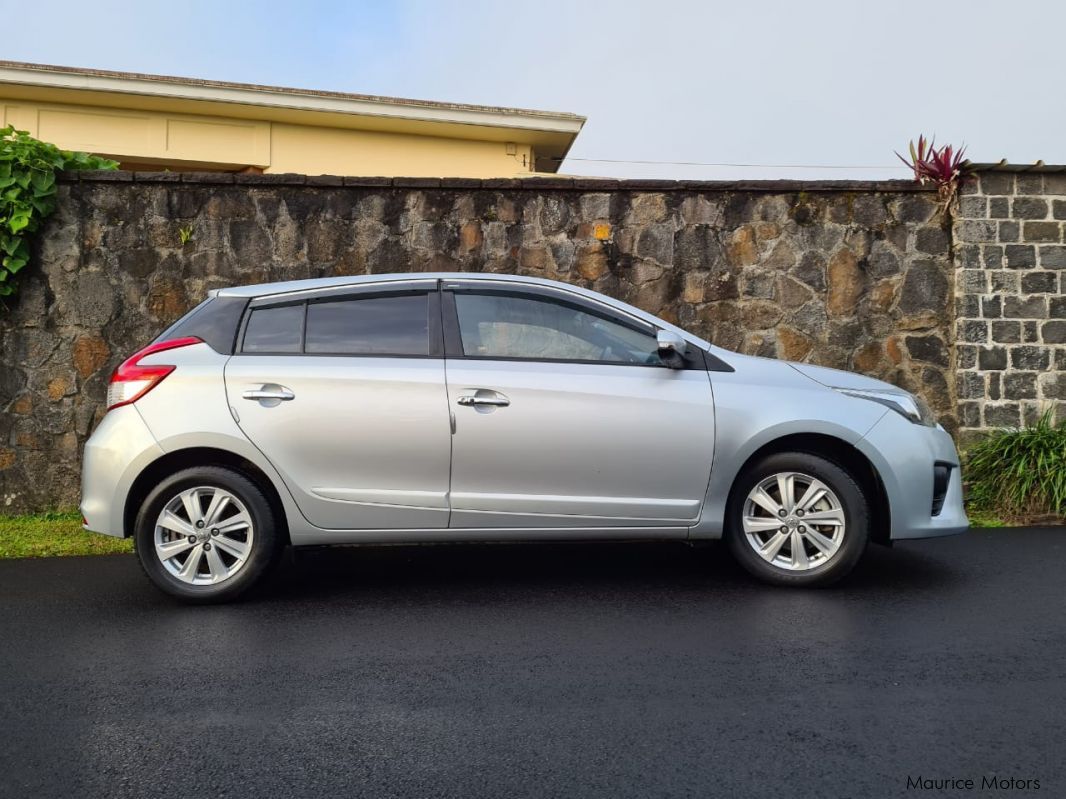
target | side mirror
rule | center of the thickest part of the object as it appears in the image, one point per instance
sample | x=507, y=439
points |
x=672, y=349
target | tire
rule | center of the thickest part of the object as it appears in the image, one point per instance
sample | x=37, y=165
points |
x=232, y=552
x=827, y=550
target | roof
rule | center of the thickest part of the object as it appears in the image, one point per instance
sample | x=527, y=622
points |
x=552, y=132
x=325, y=283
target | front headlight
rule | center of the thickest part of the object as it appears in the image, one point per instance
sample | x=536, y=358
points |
x=902, y=402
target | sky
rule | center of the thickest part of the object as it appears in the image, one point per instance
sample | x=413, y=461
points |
x=834, y=87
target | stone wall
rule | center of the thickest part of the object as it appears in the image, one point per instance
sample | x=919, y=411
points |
x=851, y=275
x=1011, y=298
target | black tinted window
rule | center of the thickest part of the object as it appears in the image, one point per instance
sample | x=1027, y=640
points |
x=396, y=325
x=277, y=329
x=214, y=320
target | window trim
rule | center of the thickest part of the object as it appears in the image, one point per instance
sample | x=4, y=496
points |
x=430, y=289
x=453, y=342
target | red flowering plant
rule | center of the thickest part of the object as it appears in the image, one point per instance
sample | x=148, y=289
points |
x=942, y=167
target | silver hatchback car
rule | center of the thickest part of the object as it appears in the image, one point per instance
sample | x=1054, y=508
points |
x=475, y=407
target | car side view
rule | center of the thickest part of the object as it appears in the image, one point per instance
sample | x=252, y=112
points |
x=476, y=407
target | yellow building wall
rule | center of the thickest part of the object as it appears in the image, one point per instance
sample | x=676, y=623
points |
x=175, y=140
x=319, y=151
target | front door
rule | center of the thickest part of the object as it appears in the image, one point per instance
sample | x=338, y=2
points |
x=345, y=395
x=565, y=416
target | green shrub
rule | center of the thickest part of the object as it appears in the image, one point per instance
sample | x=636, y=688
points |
x=1020, y=472
x=28, y=193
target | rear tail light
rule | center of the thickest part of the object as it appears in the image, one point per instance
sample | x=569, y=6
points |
x=131, y=381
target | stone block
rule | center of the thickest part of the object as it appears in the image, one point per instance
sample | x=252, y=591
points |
x=1039, y=282
x=1019, y=385
x=1031, y=183
x=999, y=207
x=1025, y=307
x=1030, y=357
x=972, y=330
x=973, y=281
x=970, y=385
x=1042, y=232
x=1052, y=257
x=1006, y=414
x=845, y=283
x=997, y=182
x=1053, y=385
x=1054, y=332
x=1006, y=332
x=1010, y=232
x=1029, y=208
x=932, y=240
x=976, y=231
x=1004, y=281
x=973, y=207
x=930, y=349
x=970, y=414
x=1020, y=256
x=992, y=358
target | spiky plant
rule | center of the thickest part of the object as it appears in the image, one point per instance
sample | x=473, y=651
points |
x=1020, y=472
x=942, y=167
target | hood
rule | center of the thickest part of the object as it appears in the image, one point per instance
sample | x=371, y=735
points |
x=837, y=378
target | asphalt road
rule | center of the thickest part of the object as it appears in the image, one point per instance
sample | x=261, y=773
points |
x=548, y=670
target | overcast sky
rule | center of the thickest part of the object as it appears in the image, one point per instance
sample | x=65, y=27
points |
x=812, y=82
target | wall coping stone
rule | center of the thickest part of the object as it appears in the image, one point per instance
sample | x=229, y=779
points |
x=559, y=183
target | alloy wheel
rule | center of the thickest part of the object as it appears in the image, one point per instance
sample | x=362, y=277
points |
x=204, y=535
x=794, y=521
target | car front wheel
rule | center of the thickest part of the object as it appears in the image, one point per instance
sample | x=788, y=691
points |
x=206, y=534
x=798, y=519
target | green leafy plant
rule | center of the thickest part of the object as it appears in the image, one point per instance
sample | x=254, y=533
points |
x=185, y=234
x=1020, y=472
x=28, y=193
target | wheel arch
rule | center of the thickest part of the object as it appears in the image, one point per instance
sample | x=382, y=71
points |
x=844, y=455
x=175, y=461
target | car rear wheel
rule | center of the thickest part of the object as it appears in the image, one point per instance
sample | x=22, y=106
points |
x=798, y=519
x=206, y=534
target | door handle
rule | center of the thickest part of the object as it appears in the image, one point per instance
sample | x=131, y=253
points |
x=269, y=393
x=496, y=400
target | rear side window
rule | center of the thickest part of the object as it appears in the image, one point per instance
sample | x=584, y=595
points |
x=214, y=321
x=382, y=325
x=277, y=329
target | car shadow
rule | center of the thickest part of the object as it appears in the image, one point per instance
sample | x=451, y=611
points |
x=630, y=568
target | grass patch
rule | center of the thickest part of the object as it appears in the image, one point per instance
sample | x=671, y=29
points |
x=45, y=535
x=982, y=518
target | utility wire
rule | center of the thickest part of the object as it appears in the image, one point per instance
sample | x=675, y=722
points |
x=707, y=163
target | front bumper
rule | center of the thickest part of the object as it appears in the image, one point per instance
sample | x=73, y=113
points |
x=904, y=454
x=115, y=454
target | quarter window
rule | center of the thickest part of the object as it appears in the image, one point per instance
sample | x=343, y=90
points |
x=278, y=329
x=383, y=325
x=511, y=326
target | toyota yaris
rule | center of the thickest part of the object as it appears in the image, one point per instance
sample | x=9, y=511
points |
x=475, y=407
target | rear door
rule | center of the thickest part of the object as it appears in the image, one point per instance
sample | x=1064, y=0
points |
x=566, y=417
x=344, y=393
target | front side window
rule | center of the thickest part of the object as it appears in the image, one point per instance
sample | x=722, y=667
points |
x=523, y=326
x=383, y=325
